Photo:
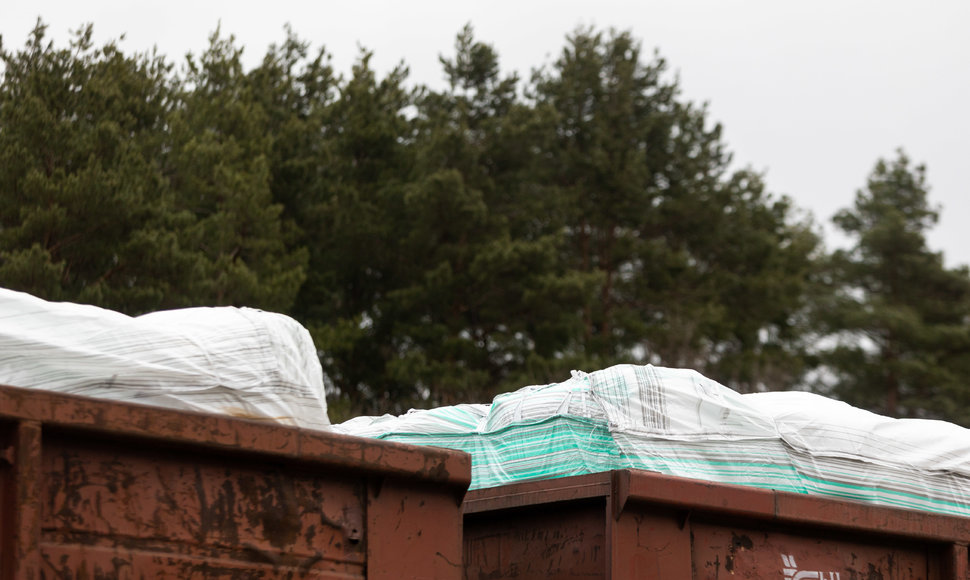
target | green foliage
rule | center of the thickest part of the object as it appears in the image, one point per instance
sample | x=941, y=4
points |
x=897, y=315
x=219, y=168
x=697, y=270
x=351, y=220
x=470, y=313
x=296, y=94
x=121, y=190
x=443, y=246
x=734, y=308
x=80, y=129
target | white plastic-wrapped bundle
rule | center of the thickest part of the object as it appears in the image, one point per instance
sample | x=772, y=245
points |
x=790, y=441
x=843, y=451
x=678, y=422
x=237, y=361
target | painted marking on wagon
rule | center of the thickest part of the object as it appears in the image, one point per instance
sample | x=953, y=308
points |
x=793, y=573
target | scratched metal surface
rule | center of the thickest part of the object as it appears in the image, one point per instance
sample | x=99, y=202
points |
x=100, y=490
x=121, y=511
x=736, y=552
x=636, y=525
x=550, y=543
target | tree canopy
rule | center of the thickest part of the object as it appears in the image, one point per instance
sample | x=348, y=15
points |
x=447, y=244
x=897, y=316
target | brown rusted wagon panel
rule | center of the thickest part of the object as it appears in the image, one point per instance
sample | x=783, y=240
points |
x=97, y=489
x=634, y=524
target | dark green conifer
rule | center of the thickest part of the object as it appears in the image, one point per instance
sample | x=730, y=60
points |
x=898, y=316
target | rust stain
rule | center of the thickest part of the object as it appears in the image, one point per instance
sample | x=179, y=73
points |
x=117, y=491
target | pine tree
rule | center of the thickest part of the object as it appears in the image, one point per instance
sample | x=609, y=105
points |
x=739, y=297
x=219, y=168
x=474, y=313
x=85, y=214
x=699, y=268
x=296, y=94
x=898, y=316
x=352, y=222
x=613, y=115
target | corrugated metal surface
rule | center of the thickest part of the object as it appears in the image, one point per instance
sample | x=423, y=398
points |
x=635, y=524
x=95, y=489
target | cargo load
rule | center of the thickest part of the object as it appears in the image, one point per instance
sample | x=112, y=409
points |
x=678, y=422
x=236, y=361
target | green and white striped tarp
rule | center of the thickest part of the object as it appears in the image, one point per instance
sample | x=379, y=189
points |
x=678, y=422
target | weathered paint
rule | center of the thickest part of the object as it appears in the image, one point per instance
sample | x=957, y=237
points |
x=723, y=551
x=646, y=525
x=97, y=489
x=538, y=543
x=20, y=517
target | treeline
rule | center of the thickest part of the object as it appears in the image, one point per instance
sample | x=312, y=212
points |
x=446, y=245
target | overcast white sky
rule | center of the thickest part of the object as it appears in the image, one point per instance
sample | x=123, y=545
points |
x=810, y=93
